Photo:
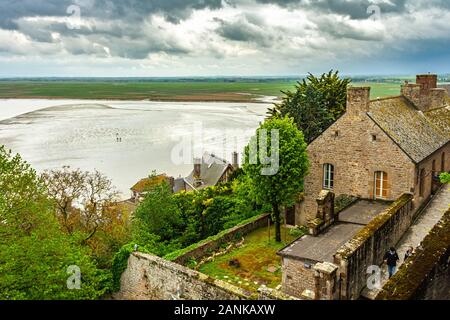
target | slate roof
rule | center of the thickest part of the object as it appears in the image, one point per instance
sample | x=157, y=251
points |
x=441, y=118
x=414, y=132
x=212, y=169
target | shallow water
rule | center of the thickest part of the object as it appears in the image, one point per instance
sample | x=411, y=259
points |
x=85, y=134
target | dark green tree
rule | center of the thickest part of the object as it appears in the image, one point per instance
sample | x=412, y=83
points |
x=315, y=104
x=277, y=187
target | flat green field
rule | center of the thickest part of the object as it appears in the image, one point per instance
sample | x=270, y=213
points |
x=233, y=91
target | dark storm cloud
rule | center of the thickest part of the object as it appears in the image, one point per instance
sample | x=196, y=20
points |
x=118, y=24
x=130, y=10
x=11, y=10
x=356, y=9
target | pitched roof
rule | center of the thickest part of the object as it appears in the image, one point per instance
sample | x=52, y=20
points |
x=441, y=118
x=212, y=169
x=148, y=183
x=416, y=134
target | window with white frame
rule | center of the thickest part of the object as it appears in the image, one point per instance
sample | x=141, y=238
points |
x=328, y=176
x=381, y=185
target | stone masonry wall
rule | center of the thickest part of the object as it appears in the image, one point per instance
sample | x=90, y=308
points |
x=370, y=244
x=296, y=277
x=426, y=274
x=149, y=277
x=230, y=235
x=349, y=146
x=427, y=164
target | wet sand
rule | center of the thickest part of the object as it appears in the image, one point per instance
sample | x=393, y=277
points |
x=84, y=134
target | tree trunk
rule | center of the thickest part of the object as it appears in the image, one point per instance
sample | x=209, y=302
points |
x=276, y=219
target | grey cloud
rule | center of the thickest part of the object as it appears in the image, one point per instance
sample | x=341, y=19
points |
x=344, y=30
x=244, y=31
x=356, y=9
x=130, y=10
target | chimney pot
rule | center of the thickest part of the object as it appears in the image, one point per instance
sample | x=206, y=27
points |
x=197, y=172
x=235, y=161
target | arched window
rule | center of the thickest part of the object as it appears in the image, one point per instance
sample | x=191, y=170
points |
x=421, y=182
x=328, y=176
x=443, y=162
x=381, y=185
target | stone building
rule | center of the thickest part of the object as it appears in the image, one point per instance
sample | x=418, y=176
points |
x=208, y=171
x=380, y=149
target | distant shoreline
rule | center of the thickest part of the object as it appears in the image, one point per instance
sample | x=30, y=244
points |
x=172, y=99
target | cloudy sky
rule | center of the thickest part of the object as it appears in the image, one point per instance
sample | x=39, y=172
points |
x=222, y=37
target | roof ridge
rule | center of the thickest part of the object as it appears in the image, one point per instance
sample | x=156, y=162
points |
x=386, y=98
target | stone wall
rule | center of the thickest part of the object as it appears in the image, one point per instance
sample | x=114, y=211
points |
x=297, y=277
x=149, y=277
x=427, y=165
x=236, y=233
x=370, y=244
x=426, y=274
x=349, y=146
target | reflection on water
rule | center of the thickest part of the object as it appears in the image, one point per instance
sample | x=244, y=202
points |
x=123, y=139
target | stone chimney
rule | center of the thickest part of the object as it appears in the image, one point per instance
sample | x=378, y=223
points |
x=197, y=172
x=235, y=161
x=358, y=100
x=426, y=82
x=411, y=91
x=424, y=94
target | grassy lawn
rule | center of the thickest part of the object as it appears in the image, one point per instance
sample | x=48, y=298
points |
x=255, y=257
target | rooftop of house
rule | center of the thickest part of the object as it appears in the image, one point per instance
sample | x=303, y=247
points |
x=212, y=169
x=441, y=118
x=417, y=133
x=322, y=247
x=146, y=184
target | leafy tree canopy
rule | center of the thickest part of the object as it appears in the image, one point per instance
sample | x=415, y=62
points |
x=34, y=252
x=281, y=188
x=315, y=104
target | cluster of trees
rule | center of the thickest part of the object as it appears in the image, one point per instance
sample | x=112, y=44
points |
x=165, y=222
x=85, y=203
x=315, y=103
x=53, y=221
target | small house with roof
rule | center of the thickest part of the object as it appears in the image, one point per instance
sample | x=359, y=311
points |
x=208, y=171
